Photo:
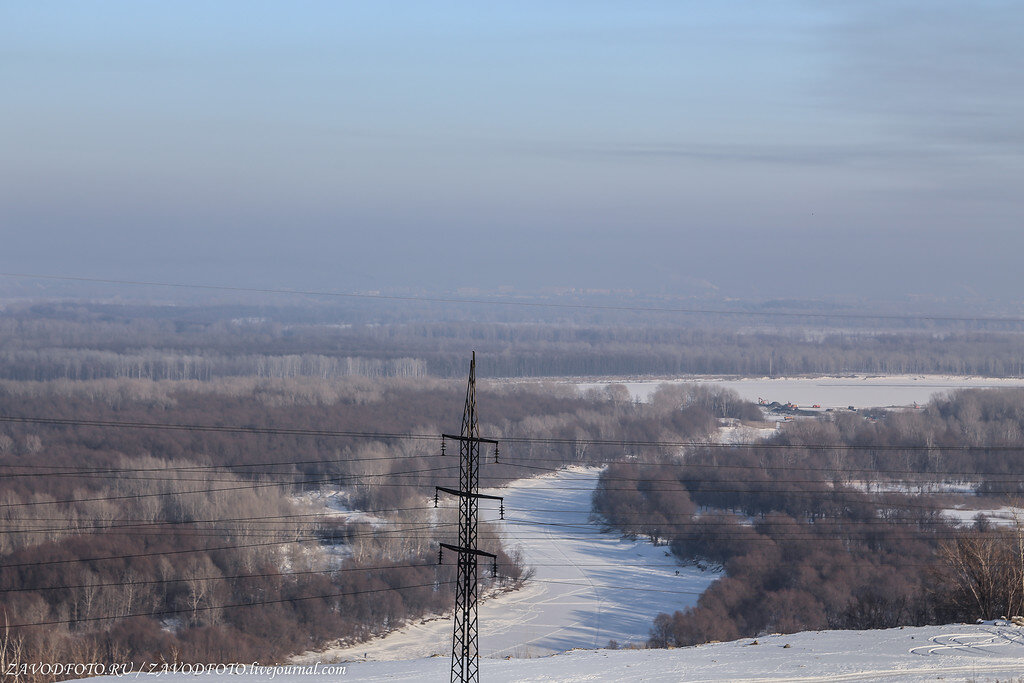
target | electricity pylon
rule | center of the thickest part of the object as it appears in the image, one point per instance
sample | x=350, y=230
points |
x=465, y=639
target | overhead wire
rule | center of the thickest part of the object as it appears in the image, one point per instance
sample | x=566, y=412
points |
x=326, y=514
x=178, y=551
x=563, y=441
x=281, y=478
x=232, y=429
x=239, y=487
x=207, y=608
x=73, y=470
x=234, y=577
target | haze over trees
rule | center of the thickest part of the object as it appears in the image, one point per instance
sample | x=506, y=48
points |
x=93, y=341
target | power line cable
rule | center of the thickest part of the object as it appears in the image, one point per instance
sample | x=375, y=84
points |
x=563, y=441
x=158, y=528
x=433, y=584
x=750, y=489
x=306, y=539
x=69, y=469
x=559, y=464
x=281, y=478
x=207, y=608
x=182, y=551
x=235, y=577
x=236, y=429
x=839, y=469
x=273, y=519
x=314, y=518
x=240, y=487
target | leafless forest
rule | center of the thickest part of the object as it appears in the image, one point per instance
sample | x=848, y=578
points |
x=92, y=341
x=132, y=542
x=836, y=522
x=161, y=469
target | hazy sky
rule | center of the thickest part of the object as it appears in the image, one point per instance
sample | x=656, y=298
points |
x=764, y=148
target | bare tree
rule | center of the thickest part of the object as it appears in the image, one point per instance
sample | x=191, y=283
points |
x=978, y=566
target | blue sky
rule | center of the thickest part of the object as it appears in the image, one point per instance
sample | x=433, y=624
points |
x=745, y=148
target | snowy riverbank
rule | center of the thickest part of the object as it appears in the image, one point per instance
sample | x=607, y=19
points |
x=589, y=587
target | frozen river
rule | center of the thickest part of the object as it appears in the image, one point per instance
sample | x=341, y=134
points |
x=589, y=587
x=592, y=587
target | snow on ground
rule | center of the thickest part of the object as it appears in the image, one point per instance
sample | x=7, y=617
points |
x=959, y=652
x=1004, y=516
x=744, y=434
x=964, y=488
x=335, y=503
x=859, y=391
x=589, y=587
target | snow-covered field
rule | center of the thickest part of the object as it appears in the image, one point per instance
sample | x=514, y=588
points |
x=829, y=392
x=957, y=652
x=589, y=587
x=1003, y=516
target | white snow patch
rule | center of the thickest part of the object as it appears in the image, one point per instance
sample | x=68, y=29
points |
x=1004, y=516
x=952, y=652
x=336, y=503
x=915, y=488
x=743, y=434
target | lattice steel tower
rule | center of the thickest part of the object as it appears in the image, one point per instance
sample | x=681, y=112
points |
x=465, y=640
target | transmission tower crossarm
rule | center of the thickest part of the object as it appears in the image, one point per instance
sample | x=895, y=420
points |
x=477, y=439
x=471, y=551
x=469, y=494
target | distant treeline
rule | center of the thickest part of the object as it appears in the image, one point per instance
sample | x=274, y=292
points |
x=163, y=364
x=822, y=528
x=81, y=341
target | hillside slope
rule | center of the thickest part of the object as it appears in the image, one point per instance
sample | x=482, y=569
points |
x=984, y=652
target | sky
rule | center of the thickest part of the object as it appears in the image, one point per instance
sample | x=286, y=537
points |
x=793, y=148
